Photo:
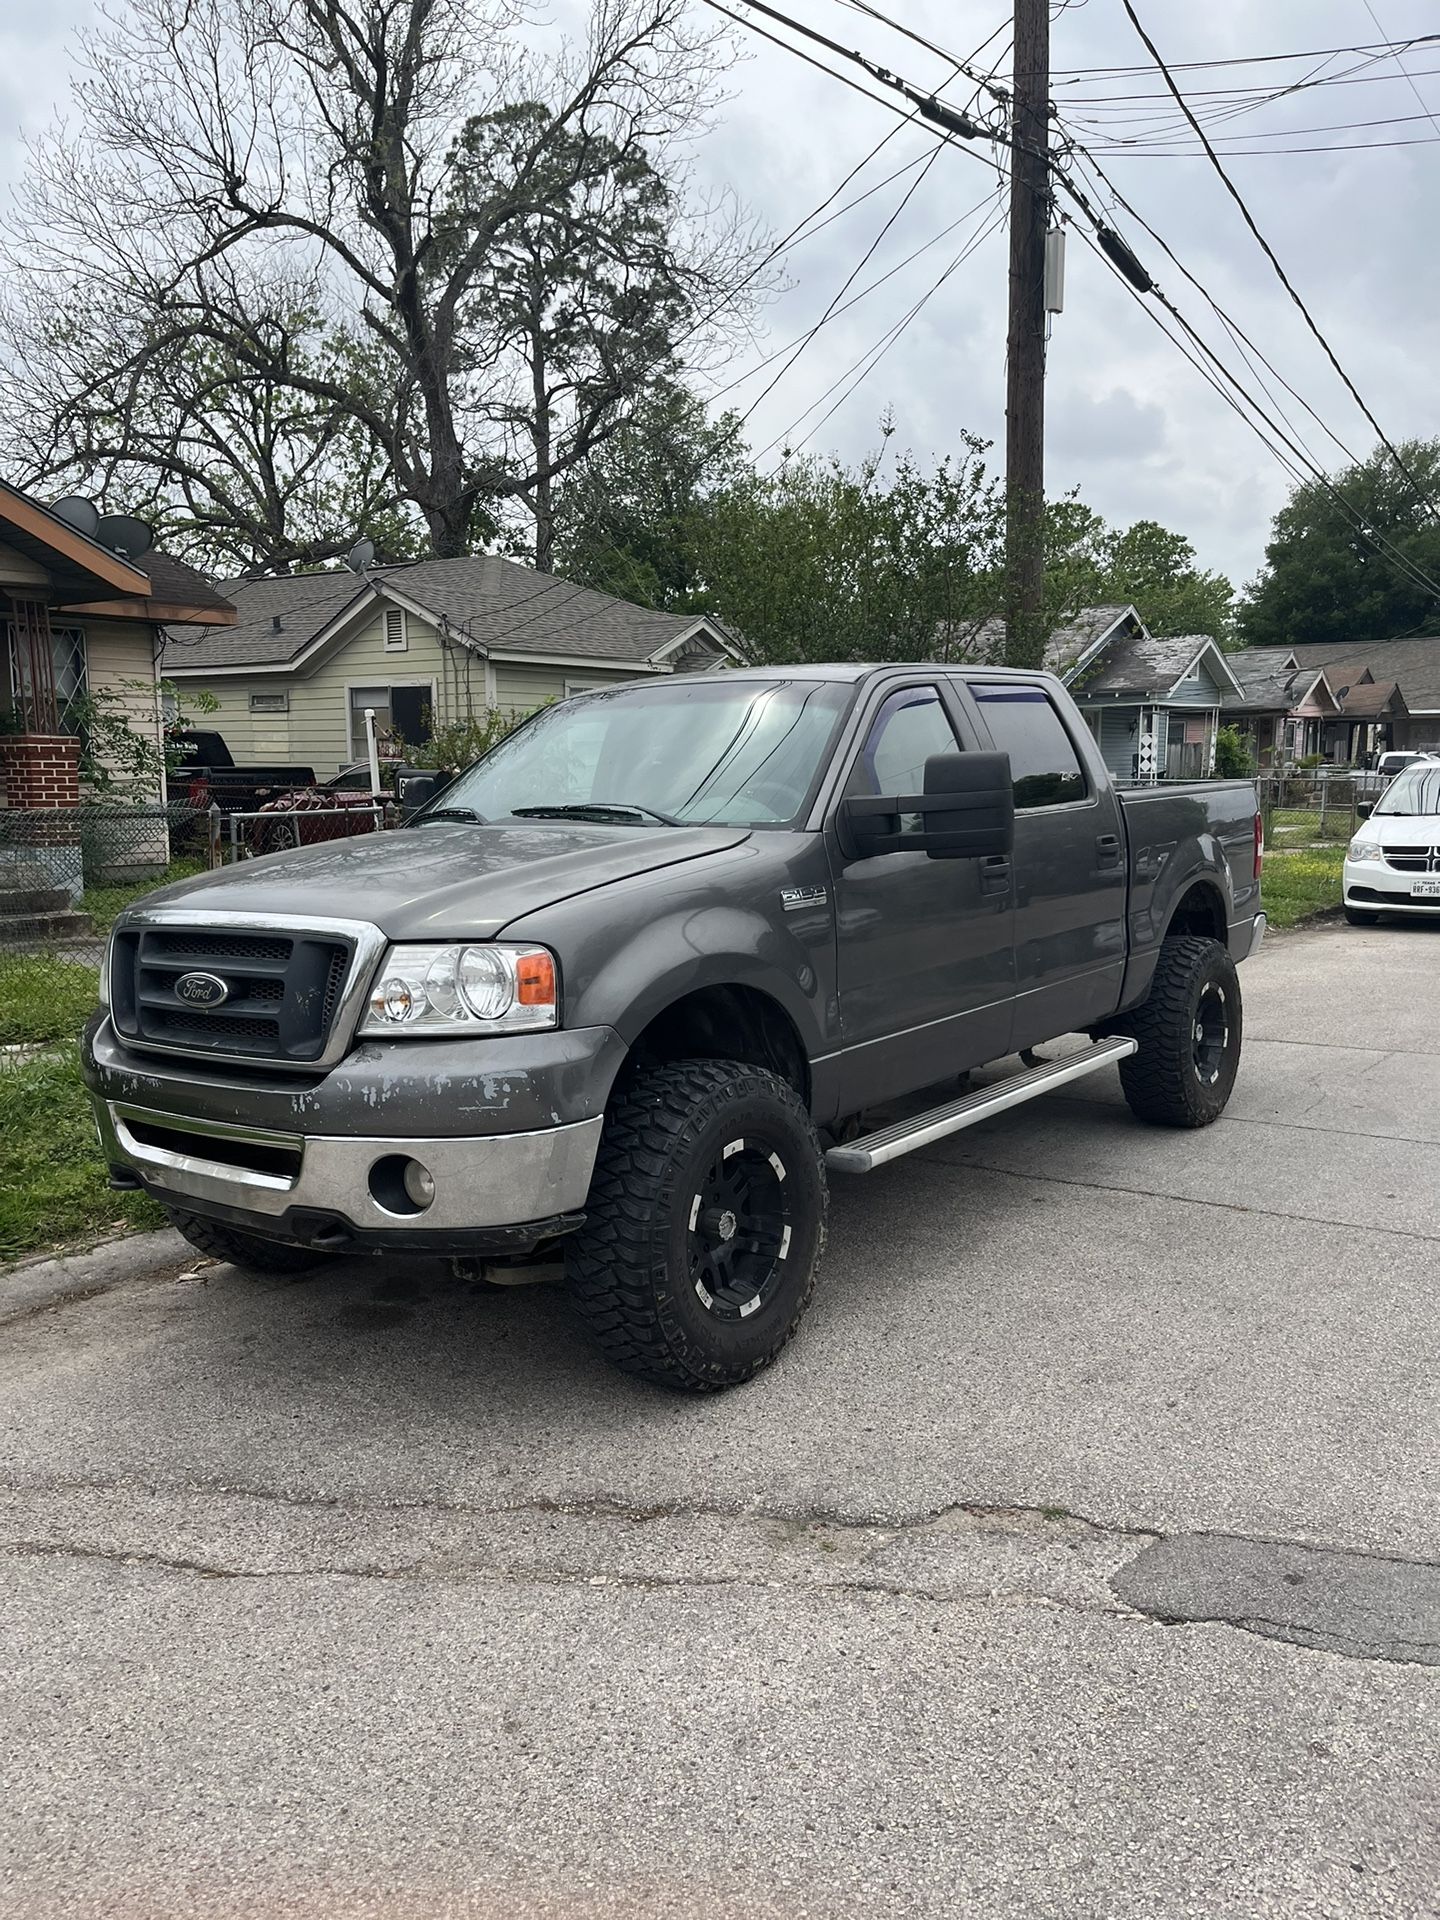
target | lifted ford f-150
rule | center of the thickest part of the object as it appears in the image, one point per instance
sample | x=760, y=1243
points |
x=629, y=987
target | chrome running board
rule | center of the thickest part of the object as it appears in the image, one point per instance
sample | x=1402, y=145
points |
x=875, y=1149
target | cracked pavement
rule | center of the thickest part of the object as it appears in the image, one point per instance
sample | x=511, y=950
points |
x=1080, y=1558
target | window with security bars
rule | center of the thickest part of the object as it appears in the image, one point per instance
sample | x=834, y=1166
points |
x=68, y=667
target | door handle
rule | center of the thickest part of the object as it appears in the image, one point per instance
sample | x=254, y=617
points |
x=995, y=874
x=1107, y=849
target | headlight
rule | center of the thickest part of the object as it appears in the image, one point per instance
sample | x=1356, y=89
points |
x=1364, y=850
x=455, y=989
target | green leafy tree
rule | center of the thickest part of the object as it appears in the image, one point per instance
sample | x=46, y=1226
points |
x=821, y=561
x=1144, y=565
x=632, y=519
x=1323, y=578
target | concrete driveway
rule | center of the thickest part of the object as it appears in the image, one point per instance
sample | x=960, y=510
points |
x=1079, y=1559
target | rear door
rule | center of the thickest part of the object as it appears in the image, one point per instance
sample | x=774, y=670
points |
x=925, y=963
x=1069, y=871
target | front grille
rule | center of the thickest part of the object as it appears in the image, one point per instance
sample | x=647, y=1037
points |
x=1412, y=859
x=283, y=990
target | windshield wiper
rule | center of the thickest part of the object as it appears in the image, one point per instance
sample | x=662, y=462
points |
x=451, y=813
x=601, y=810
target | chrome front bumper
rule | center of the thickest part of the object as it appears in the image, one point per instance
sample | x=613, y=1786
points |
x=490, y=1180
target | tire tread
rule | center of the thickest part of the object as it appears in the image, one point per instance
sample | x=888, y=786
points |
x=611, y=1261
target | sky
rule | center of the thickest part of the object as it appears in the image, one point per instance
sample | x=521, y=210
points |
x=1129, y=422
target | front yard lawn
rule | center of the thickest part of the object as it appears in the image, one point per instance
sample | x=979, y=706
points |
x=1297, y=885
x=53, y=1186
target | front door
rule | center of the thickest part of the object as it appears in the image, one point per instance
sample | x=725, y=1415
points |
x=1069, y=864
x=925, y=966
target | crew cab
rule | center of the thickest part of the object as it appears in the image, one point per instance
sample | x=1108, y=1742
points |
x=636, y=983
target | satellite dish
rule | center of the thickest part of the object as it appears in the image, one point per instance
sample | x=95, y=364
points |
x=125, y=535
x=78, y=512
x=360, y=556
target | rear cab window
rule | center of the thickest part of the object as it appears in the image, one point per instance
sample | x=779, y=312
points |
x=1044, y=762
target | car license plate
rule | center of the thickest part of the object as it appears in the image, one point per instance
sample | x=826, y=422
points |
x=1425, y=889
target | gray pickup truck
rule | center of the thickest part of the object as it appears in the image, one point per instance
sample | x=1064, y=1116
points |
x=622, y=993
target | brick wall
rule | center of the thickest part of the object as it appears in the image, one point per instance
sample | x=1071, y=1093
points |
x=40, y=769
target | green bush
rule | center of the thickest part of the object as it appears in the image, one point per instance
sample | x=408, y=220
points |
x=1233, y=758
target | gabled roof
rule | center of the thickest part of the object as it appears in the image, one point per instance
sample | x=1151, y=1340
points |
x=1413, y=663
x=1367, y=699
x=1067, y=648
x=85, y=576
x=478, y=600
x=1147, y=668
x=1272, y=680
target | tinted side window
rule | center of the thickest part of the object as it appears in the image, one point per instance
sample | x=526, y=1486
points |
x=910, y=726
x=1043, y=763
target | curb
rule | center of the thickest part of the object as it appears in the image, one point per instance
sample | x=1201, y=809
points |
x=51, y=1281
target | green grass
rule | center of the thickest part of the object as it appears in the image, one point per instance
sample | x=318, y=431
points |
x=52, y=1179
x=1298, y=885
x=104, y=904
x=43, y=999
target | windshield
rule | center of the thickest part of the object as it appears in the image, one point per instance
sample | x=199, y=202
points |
x=1415, y=791
x=727, y=752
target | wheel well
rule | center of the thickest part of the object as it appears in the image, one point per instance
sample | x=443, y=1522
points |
x=727, y=1023
x=1201, y=911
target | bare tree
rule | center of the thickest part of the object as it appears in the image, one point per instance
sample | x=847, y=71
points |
x=270, y=274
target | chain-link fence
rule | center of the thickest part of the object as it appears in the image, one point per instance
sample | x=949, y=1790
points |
x=67, y=872
x=1314, y=809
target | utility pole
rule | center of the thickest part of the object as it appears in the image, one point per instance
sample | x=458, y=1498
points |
x=1025, y=341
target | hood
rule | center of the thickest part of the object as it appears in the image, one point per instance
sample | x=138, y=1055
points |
x=449, y=881
x=1401, y=829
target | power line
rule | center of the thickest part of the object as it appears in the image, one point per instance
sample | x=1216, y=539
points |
x=1272, y=257
x=805, y=340
x=1300, y=462
x=1382, y=48
x=876, y=352
x=855, y=299
x=1405, y=70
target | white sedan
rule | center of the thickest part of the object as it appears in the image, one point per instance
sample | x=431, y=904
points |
x=1393, y=863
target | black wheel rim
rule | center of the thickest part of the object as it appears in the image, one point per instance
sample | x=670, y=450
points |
x=739, y=1229
x=1211, y=1034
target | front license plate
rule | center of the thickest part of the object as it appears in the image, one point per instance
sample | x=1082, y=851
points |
x=1425, y=890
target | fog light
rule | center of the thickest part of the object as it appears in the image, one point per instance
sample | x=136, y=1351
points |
x=419, y=1183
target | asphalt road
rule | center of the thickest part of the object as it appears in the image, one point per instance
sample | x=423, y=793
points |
x=1079, y=1559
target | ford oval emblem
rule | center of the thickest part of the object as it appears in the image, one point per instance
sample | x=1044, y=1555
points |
x=201, y=990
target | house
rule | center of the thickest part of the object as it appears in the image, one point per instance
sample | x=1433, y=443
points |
x=78, y=618
x=1152, y=704
x=1287, y=711
x=1411, y=665
x=425, y=645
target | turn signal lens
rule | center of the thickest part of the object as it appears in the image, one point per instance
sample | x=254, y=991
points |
x=535, y=980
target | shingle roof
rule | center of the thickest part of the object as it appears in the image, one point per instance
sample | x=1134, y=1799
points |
x=1271, y=683
x=1141, y=664
x=1413, y=663
x=1064, y=647
x=171, y=580
x=1373, y=697
x=497, y=604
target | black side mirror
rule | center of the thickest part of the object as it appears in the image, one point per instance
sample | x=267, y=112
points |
x=415, y=790
x=967, y=812
x=1365, y=808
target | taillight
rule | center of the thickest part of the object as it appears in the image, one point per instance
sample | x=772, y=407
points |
x=1259, y=843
